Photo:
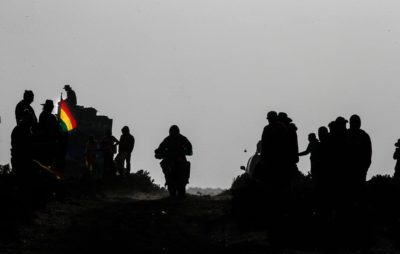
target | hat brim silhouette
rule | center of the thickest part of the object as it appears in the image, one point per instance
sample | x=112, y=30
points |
x=48, y=103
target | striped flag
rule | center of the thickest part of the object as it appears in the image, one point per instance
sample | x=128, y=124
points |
x=68, y=122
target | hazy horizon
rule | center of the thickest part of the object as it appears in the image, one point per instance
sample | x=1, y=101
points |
x=213, y=67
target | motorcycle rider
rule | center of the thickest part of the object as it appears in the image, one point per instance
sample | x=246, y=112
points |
x=173, y=151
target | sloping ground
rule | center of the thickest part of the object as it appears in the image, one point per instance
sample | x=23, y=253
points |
x=149, y=224
x=136, y=226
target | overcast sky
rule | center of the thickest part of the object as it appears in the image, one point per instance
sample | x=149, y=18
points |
x=214, y=67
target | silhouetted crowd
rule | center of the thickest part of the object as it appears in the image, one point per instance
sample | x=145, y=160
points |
x=338, y=151
x=114, y=164
x=340, y=158
x=38, y=149
x=39, y=146
x=43, y=144
x=37, y=143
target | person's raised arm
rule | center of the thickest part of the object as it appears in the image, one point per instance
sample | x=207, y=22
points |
x=307, y=151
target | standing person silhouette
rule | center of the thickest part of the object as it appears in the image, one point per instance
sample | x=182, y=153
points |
x=292, y=146
x=339, y=153
x=321, y=175
x=396, y=156
x=274, y=143
x=360, y=151
x=24, y=110
x=173, y=151
x=108, y=147
x=71, y=96
x=312, y=149
x=21, y=147
x=50, y=133
x=125, y=148
x=279, y=156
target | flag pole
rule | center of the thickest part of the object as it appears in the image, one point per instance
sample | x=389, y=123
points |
x=59, y=106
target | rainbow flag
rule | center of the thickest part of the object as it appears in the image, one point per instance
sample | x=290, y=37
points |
x=68, y=122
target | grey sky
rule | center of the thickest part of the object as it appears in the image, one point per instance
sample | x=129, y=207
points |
x=214, y=67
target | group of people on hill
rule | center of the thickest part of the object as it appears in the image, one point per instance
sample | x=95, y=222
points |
x=43, y=144
x=340, y=158
x=39, y=141
x=121, y=164
x=172, y=152
x=38, y=151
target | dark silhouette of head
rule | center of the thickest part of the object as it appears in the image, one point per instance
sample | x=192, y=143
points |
x=355, y=122
x=125, y=130
x=67, y=87
x=312, y=137
x=48, y=106
x=332, y=127
x=283, y=117
x=174, y=130
x=108, y=133
x=397, y=144
x=272, y=117
x=28, y=96
x=323, y=133
x=341, y=123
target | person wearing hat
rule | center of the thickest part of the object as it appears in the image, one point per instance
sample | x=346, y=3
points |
x=272, y=139
x=292, y=145
x=396, y=156
x=276, y=165
x=71, y=96
x=49, y=129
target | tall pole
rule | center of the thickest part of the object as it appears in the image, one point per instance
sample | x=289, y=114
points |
x=59, y=106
